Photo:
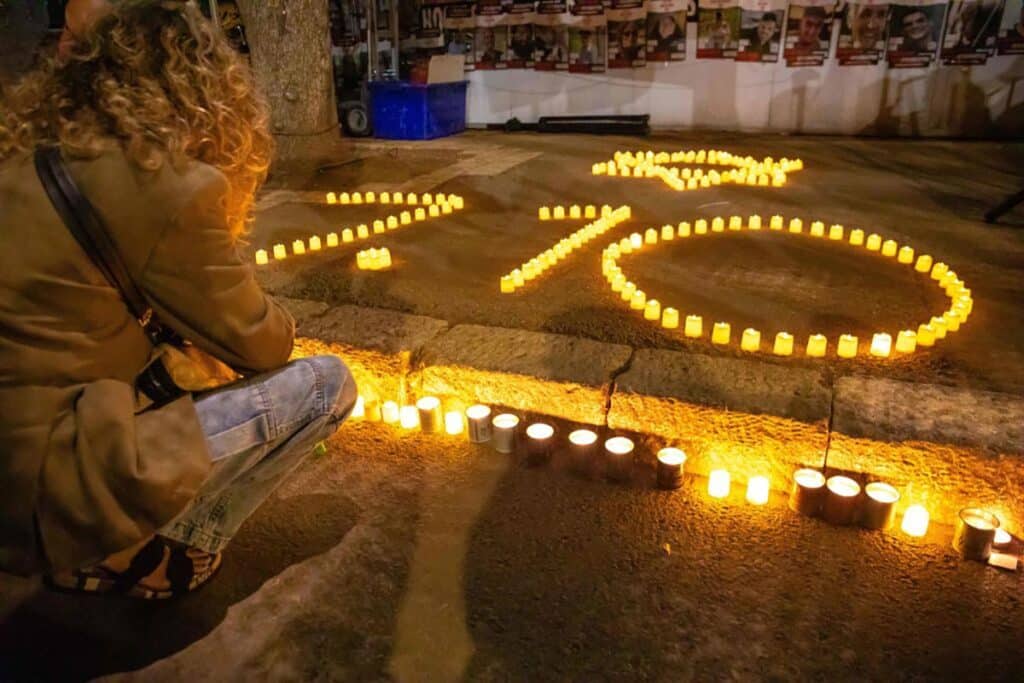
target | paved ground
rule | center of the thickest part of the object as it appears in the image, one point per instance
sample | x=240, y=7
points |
x=929, y=194
x=426, y=559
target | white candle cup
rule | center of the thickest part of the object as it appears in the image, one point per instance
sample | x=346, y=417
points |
x=879, y=508
x=881, y=345
x=453, y=422
x=915, y=521
x=758, y=490
x=478, y=419
x=389, y=412
x=618, y=452
x=503, y=432
x=1002, y=538
x=670, y=468
x=719, y=484
x=808, y=492
x=430, y=416
x=582, y=447
x=540, y=438
x=409, y=417
x=975, y=532
x=841, y=499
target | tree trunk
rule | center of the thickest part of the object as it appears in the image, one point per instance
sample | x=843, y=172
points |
x=289, y=43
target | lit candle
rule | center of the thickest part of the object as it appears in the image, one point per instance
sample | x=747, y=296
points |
x=718, y=484
x=952, y=320
x=889, y=248
x=453, y=422
x=261, y=257
x=332, y=239
x=650, y=236
x=507, y=284
x=668, y=232
x=389, y=412
x=856, y=237
x=847, y=347
x=582, y=446
x=879, y=508
x=370, y=197
x=817, y=229
x=478, y=419
x=670, y=468
x=420, y=214
x=700, y=227
x=840, y=500
x=735, y=223
x=618, y=458
x=694, y=326
x=280, y=253
x=776, y=222
x=638, y=301
x=683, y=229
x=881, y=345
x=539, y=439
x=559, y=213
x=817, y=345
x=357, y=198
x=808, y=492
x=362, y=231
x=720, y=334
x=405, y=218
x=575, y=211
x=906, y=255
x=332, y=198
x=298, y=247
x=343, y=198
x=385, y=197
x=359, y=409
x=758, y=490
x=940, y=327
x=411, y=199
x=434, y=210
x=975, y=532
x=544, y=213
x=590, y=211
x=751, y=340
x=717, y=224
x=670, y=318
x=783, y=344
x=409, y=417
x=458, y=202
x=796, y=226
x=1002, y=538
x=925, y=335
x=392, y=222
x=628, y=290
x=874, y=242
x=636, y=241
x=835, y=232
x=915, y=521
x=906, y=341
x=754, y=223
x=430, y=416
x=652, y=310
x=939, y=270
x=503, y=432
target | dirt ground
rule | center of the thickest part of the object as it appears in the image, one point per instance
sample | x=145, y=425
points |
x=418, y=558
x=929, y=194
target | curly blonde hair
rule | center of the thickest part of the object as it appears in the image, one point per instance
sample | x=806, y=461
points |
x=158, y=78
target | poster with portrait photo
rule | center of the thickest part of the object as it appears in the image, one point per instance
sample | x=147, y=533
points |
x=972, y=27
x=588, y=37
x=862, y=30
x=808, y=32
x=1011, y=29
x=551, y=36
x=491, y=44
x=718, y=29
x=460, y=32
x=761, y=24
x=666, y=30
x=914, y=30
x=519, y=18
x=627, y=30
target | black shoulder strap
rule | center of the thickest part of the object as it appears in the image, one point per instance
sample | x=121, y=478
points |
x=85, y=225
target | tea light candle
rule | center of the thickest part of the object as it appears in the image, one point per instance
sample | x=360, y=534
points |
x=975, y=532
x=389, y=412
x=638, y=301
x=758, y=490
x=952, y=320
x=754, y=223
x=332, y=198
x=650, y=236
x=783, y=344
x=939, y=270
x=817, y=345
x=889, y=248
x=409, y=417
x=840, y=500
x=856, y=237
x=879, y=508
x=717, y=224
x=808, y=492
x=544, y=213
x=261, y=257
x=359, y=409
x=405, y=218
x=906, y=255
x=796, y=226
x=298, y=247
x=817, y=229
x=430, y=417
x=385, y=198
x=700, y=227
x=370, y=197
x=397, y=198
x=582, y=447
x=457, y=202
x=668, y=232
x=835, y=232
x=378, y=227
x=343, y=198
x=636, y=241
x=735, y=223
x=670, y=318
x=628, y=290
x=503, y=432
x=357, y=198
x=670, y=468
x=915, y=521
x=847, y=347
x=280, y=253
x=478, y=419
x=776, y=222
x=683, y=229
x=940, y=327
x=575, y=211
x=652, y=310
x=720, y=334
x=411, y=199
x=507, y=285
x=925, y=335
x=332, y=239
x=559, y=213
x=362, y=232
x=420, y=214
x=392, y=222
x=694, y=326
x=1002, y=538
x=434, y=211
x=718, y=484
x=453, y=423
x=881, y=345
x=874, y=242
x=906, y=341
x=618, y=452
x=539, y=439
x=590, y=211
x=751, y=340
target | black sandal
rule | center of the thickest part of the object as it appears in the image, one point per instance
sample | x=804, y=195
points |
x=100, y=580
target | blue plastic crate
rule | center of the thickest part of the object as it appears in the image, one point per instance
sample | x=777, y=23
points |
x=408, y=111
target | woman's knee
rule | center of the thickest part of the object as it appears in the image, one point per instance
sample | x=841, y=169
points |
x=336, y=382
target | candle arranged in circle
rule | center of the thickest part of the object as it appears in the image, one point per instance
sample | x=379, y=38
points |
x=670, y=468
x=975, y=532
x=430, y=418
x=718, y=484
x=879, y=509
x=808, y=492
x=539, y=441
x=503, y=432
x=478, y=420
x=840, y=500
x=915, y=521
x=758, y=490
x=453, y=422
x=582, y=447
x=618, y=458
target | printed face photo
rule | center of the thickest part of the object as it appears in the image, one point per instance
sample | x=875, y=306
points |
x=810, y=28
x=867, y=23
x=767, y=27
x=917, y=26
x=627, y=35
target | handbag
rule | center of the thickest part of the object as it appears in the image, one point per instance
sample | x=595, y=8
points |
x=175, y=367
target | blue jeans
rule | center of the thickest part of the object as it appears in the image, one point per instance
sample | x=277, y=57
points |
x=258, y=431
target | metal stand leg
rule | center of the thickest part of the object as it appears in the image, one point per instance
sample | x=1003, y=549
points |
x=1005, y=206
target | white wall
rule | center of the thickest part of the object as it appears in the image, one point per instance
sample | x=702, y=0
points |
x=725, y=95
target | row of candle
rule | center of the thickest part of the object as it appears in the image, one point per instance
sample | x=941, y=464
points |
x=441, y=206
x=848, y=346
x=540, y=263
x=710, y=157
x=559, y=213
x=374, y=259
x=747, y=171
x=837, y=500
x=409, y=198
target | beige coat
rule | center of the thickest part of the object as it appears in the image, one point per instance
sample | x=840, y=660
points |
x=82, y=474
